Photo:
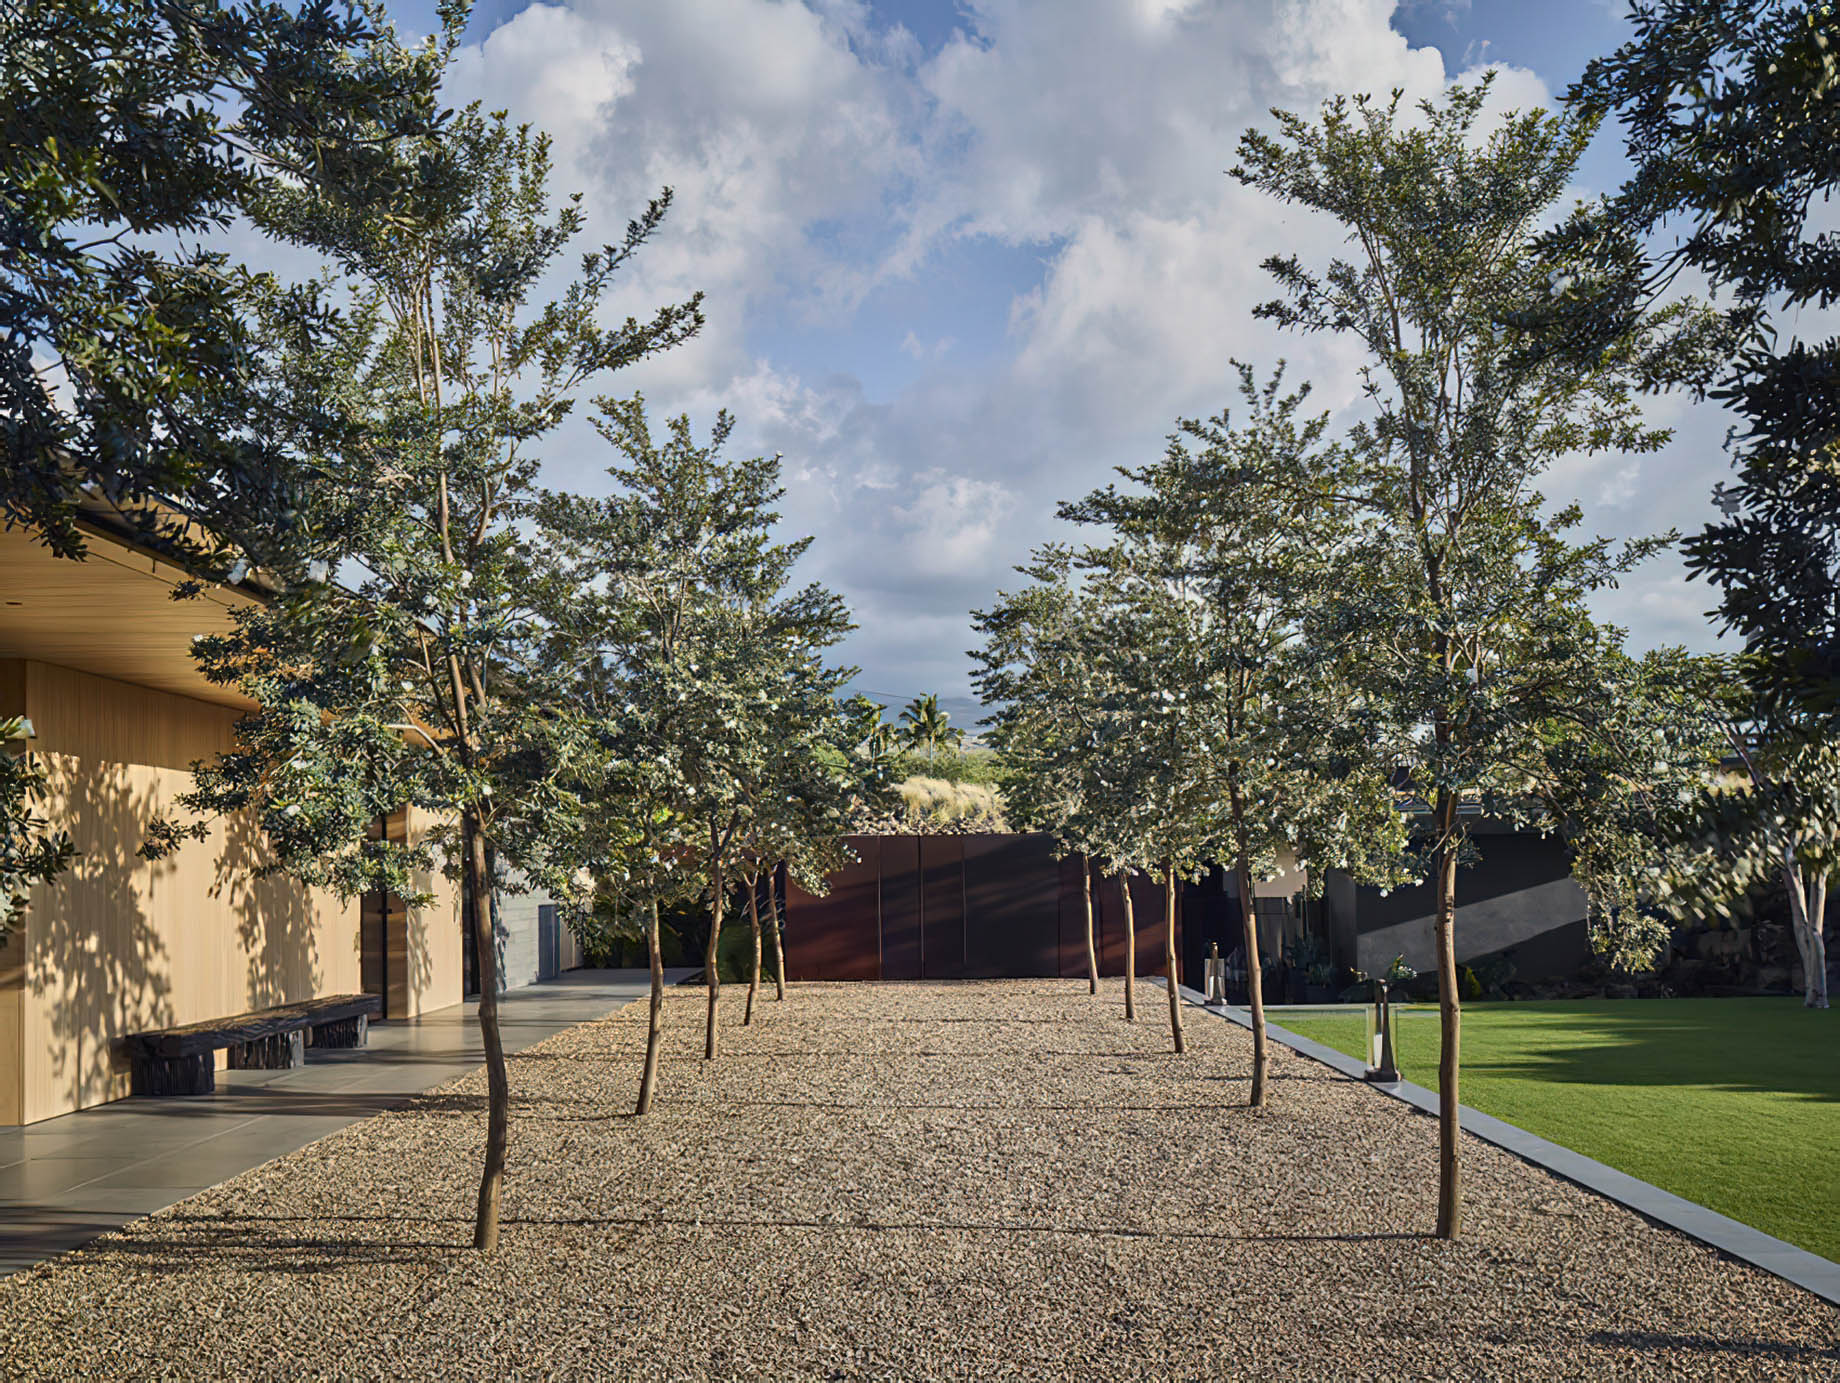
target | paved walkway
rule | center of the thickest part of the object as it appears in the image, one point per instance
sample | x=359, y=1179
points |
x=66, y=1180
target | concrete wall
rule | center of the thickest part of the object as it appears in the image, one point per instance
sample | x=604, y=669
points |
x=533, y=945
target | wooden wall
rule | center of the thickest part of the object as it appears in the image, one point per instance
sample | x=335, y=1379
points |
x=433, y=954
x=120, y=944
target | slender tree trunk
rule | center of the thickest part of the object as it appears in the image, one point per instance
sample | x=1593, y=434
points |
x=498, y=1083
x=1450, y=1014
x=779, y=948
x=648, y=1083
x=1171, y=965
x=1808, y=918
x=1130, y=950
x=1817, y=945
x=712, y=973
x=1255, y=982
x=753, y=922
x=1092, y=953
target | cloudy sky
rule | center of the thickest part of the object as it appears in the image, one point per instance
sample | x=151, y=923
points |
x=964, y=256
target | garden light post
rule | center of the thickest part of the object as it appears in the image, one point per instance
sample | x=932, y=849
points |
x=1382, y=1064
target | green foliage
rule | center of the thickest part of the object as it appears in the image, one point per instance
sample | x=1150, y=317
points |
x=1658, y=729
x=976, y=765
x=1730, y=119
x=1456, y=601
x=925, y=727
x=423, y=680
x=134, y=373
x=34, y=851
x=718, y=722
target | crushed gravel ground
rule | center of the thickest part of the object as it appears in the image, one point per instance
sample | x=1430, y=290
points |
x=987, y=1180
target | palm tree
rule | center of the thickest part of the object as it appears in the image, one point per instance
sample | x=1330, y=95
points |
x=926, y=724
x=881, y=740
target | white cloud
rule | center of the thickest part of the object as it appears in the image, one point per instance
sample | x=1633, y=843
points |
x=819, y=161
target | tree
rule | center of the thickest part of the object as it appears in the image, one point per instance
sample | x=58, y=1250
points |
x=132, y=384
x=1729, y=118
x=1724, y=837
x=131, y=378
x=1728, y=112
x=1458, y=594
x=804, y=801
x=926, y=724
x=716, y=659
x=1234, y=530
x=1034, y=672
x=1640, y=746
x=34, y=851
x=421, y=680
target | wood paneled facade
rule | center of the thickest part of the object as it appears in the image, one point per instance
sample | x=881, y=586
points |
x=120, y=944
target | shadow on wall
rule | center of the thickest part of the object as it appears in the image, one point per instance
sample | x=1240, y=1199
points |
x=97, y=965
x=274, y=918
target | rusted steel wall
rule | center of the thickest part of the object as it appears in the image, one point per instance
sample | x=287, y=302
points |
x=957, y=907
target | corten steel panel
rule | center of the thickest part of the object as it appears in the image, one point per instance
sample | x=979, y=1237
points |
x=900, y=856
x=1012, y=907
x=838, y=936
x=1147, y=905
x=1073, y=917
x=1147, y=895
x=942, y=907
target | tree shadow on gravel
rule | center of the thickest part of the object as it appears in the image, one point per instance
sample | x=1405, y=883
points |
x=961, y=1227
x=1089, y=1107
x=1646, y=1340
x=242, y=1243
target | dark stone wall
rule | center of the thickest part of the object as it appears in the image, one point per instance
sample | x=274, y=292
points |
x=1519, y=897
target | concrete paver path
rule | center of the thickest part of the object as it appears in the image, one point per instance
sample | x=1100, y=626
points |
x=66, y=1180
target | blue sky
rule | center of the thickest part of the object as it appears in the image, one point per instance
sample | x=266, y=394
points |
x=963, y=258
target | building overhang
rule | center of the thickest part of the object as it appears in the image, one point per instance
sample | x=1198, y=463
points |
x=111, y=614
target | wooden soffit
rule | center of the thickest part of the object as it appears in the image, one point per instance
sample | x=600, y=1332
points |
x=111, y=614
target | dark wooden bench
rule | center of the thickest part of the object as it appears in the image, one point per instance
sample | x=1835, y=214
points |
x=182, y=1061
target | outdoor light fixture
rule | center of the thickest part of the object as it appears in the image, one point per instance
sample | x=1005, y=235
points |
x=1215, y=985
x=1382, y=1063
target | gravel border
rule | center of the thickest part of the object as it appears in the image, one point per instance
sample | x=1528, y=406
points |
x=965, y=1180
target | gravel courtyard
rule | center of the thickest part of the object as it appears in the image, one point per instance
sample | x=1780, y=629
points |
x=905, y=1181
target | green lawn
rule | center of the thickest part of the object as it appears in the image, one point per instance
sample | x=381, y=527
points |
x=1734, y=1103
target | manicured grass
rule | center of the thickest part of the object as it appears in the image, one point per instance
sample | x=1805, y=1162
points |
x=1733, y=1103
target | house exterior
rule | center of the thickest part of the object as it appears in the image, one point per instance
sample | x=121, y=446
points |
x=97, y=655
x=1518, y=899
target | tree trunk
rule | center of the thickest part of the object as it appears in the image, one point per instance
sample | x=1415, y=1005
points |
x=1092, y=953
x=648, y=1083
x=1807, y=917
x=1171, y=966
x=754, y=922
x=1130, y=950
x=1255, y=983
x=1816, y=989
x=498, y=1083
x=1450, y=1015
x=712, y=974
x=779, y=948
